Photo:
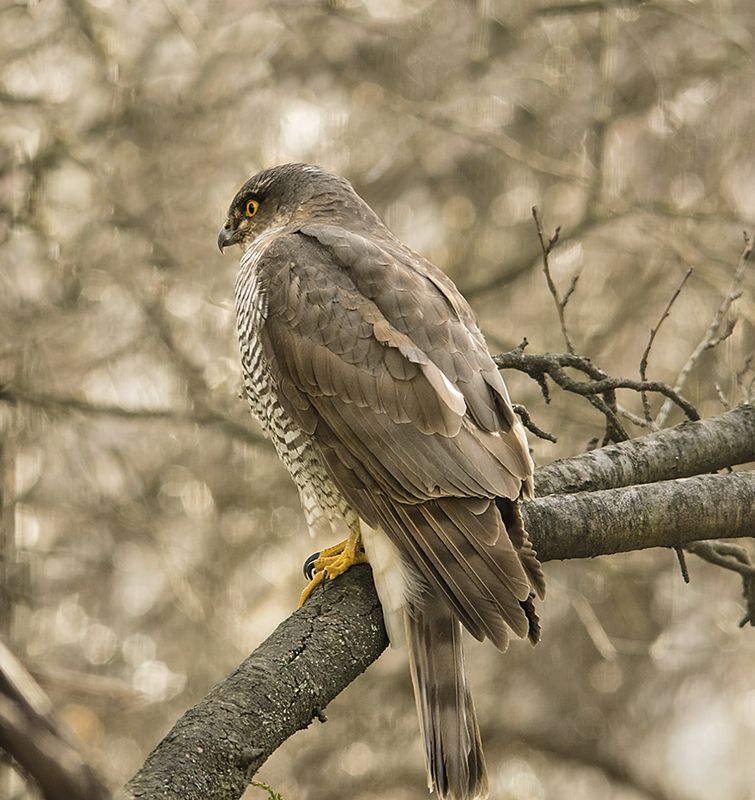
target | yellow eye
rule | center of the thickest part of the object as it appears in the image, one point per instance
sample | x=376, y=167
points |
x=251, y=208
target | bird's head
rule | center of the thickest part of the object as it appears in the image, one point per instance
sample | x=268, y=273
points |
x=281, y=196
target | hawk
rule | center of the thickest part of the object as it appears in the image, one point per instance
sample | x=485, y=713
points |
x=366, y=368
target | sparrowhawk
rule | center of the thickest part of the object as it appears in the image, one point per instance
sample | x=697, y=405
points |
x=366, y=368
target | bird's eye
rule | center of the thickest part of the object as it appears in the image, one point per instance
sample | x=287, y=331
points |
x=251, y=208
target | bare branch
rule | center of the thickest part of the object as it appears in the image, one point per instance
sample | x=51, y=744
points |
x=552, y=365
x=691, y=448
x=640, y=422
x=591, y=623
x=653, y=333
x=43, y=749
x=663, y=514
x=204, y=416
x=324, y=645
x=530, y=425
x=547, y=247
x=713, y=335
x=280, y=689
x=682, y=563
x=736, y=558
x=745, y=392
x=722, y=397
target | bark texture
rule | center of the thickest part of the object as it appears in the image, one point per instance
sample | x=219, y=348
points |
x=664, y=514
x=214, y=750
x=691, y=448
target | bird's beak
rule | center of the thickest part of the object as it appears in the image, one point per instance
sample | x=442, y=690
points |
x=226, y=237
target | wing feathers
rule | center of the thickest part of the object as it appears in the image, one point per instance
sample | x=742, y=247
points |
x=381, y=360
x=485, y=585
x=415, y=543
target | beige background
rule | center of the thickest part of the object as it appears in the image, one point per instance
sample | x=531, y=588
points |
x=150, y=537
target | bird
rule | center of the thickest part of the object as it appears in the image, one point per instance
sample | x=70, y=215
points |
x=366, y=368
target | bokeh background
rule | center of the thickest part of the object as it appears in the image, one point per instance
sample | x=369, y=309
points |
x=150, y=538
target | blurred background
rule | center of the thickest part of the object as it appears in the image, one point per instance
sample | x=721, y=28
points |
x=151, y=539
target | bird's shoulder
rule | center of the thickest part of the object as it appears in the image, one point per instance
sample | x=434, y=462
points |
x=343, y=287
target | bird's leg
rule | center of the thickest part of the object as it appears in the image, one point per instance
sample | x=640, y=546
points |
x=334, y=561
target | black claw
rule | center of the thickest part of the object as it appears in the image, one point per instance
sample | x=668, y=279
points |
x=309, y=566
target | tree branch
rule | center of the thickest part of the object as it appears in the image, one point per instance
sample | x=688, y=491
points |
x=690, y=448
x=213, y=751
x=714, y=335
x=663, y=514
x=653, y=334
x=554, y=365
x=205, y=416
x=736, y=558
x=43, y=749
x=215, y=748
x=547, y=247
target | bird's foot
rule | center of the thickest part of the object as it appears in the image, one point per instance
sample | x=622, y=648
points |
x=332, y=562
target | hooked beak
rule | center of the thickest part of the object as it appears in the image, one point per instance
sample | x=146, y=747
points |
x=226, y=237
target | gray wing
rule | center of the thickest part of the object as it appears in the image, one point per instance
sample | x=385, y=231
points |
x=377, y=355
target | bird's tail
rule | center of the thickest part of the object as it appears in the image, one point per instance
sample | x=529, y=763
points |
x=453, y=749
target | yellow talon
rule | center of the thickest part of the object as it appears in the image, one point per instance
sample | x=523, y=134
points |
x=334, y=561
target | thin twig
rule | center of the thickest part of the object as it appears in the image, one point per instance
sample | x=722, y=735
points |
x=570, y=290
x=592, y=625
x=682, y=563
x=553, y=365
x=634, y=419
x=653, y=332
x=712, y=336
x=723, y=398
x=530, y=425
x=547, y=247
x=736, y=558
x=745, y=392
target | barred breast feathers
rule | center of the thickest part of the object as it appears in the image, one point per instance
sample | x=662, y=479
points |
x=323, y=504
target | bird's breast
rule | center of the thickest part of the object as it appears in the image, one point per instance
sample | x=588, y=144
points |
x=297, y=450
